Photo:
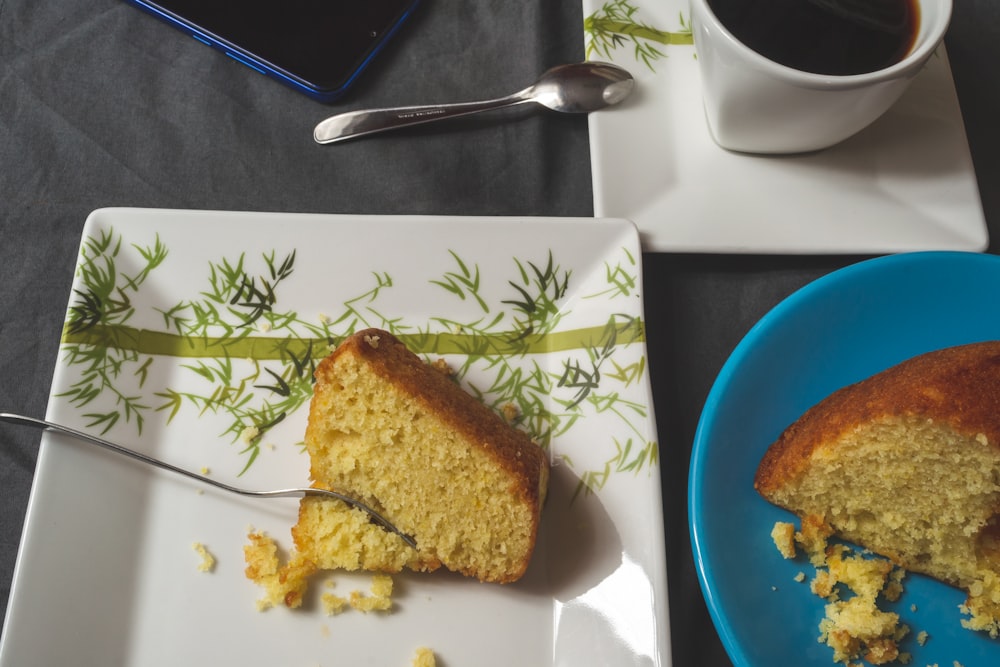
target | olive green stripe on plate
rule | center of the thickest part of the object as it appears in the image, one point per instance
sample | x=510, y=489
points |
x=145, y=341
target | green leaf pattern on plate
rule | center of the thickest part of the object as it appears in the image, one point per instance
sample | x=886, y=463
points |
x=251, y=361
x=616, y=25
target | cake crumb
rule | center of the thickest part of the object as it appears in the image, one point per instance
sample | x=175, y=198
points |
x=205, y=470
x=264, y=326
x=509, y=411
x=207, y=563
x=380, y=598
x=282, y=584
x=812, y=537
x=442, y=366
x=823, y=585
x=853, y=626
x=894, y=586
x=922, y=637
x=372, y=341
x=367, y=603
x=333, y=604
x=783, y=535
x=866, y=577
x=424, y=657
x=983, y=605
x=381, y=585
x=800, y=577
x=248, y=434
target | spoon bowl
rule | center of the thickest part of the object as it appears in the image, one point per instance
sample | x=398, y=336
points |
x=574, y=88
x=581, y=87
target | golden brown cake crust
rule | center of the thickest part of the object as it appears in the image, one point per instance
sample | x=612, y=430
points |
x=959, y=386
x=513, y=450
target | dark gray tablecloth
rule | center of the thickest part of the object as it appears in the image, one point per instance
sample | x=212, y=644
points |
x=101, y=105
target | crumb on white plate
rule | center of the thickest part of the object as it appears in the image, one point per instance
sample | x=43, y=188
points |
x=207, y=563
x=248, y=434
x=424, y=657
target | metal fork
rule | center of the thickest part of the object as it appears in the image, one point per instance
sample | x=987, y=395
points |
x=277, y=493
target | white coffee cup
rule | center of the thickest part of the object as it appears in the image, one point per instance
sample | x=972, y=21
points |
x=756, y=105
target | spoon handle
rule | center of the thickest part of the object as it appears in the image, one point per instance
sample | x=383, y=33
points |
x=369, y=121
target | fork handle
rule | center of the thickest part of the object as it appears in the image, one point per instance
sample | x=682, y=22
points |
x=21, y=420
x=107, y=444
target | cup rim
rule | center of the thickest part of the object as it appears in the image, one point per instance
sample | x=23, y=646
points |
x=910, y=62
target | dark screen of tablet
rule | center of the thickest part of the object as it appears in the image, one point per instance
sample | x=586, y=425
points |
x=320, y=41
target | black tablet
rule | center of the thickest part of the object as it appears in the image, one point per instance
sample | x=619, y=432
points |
x=316, y=46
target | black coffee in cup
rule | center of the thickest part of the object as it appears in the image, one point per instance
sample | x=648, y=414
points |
x=836, y=37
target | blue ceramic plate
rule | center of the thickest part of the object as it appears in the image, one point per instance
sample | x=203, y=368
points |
x=835, y=331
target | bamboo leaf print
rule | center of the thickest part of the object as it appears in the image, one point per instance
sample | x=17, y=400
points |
x=246, y=359
x=615, y=25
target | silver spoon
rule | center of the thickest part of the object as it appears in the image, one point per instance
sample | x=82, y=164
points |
x=576, y=88
x=278, y=493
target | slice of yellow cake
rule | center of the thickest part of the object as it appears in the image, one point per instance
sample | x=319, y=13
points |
x=402, y=436
x=907, y=463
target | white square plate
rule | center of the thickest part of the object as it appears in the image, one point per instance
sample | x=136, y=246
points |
x=904, y=183
x=184, y=327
